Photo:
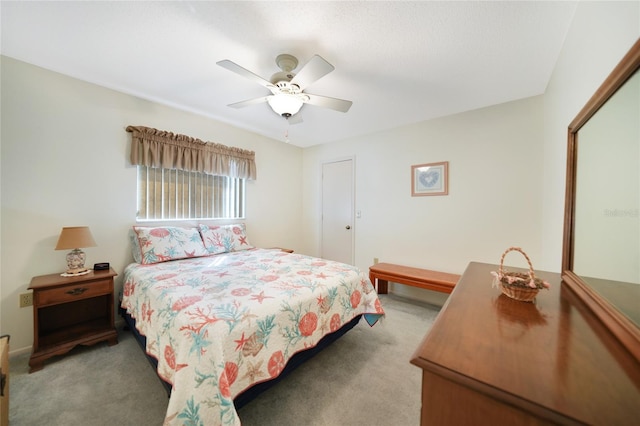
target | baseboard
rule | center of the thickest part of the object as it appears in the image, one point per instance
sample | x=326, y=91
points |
x=20, y=351
x=119, y=323
x=419, y=294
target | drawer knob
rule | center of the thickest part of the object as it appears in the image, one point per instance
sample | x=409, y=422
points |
x=77, y=291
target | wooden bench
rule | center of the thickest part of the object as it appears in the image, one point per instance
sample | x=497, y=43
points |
x=381, y=273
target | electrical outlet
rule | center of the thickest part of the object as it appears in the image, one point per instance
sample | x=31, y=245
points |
x=375, y=260
x=26, y=299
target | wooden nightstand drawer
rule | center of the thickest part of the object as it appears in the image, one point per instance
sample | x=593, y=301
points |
x=69, y=293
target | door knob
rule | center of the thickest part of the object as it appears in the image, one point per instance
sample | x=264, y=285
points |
x=347, y=227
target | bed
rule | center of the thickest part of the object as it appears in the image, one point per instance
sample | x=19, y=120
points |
x=221, y=318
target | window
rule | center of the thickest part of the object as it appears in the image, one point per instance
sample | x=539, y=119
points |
x=180, y=177
x=170, y=194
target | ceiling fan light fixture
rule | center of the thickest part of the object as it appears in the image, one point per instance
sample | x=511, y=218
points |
x=284, y=104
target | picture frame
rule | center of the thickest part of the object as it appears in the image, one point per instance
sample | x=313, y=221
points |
x=430, y=179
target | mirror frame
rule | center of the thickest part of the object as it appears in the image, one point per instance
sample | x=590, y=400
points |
x=617, y=323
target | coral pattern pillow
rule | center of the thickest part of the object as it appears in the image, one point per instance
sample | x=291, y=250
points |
x=161, y=244
x=224, y=238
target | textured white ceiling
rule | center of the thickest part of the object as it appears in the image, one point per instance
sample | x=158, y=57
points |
x=399, y=62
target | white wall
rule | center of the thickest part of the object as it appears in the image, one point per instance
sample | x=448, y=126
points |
x=600, y=35
x=65, y=162
x=494, y=201
x=489, y=207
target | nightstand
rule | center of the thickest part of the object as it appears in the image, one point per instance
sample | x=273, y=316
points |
x=4, y=380
x=286, y=250
x=71, y=311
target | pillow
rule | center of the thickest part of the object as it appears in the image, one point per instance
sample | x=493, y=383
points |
x=224, y=238
x=135, y=246
x=160, y=244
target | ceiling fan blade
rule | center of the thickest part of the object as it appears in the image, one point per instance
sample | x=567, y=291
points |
x=327, y=102
x=249, y=102
x=295, y=119
x=314, y=70
x=232, y=66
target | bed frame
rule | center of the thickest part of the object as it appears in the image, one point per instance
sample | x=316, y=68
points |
x=249, y=394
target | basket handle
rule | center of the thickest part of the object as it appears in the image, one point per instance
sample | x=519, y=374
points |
x=501, y=271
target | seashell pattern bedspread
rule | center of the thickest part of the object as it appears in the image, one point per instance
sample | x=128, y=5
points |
x=219, y=324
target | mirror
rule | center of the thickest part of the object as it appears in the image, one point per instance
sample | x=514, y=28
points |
x=601, y=246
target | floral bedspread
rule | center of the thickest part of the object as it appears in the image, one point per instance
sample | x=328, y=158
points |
x=220, y=324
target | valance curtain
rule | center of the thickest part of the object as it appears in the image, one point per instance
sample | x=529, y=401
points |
x=162, y=149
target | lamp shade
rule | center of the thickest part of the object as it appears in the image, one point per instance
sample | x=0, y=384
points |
x=285, y=104
x=73, y=237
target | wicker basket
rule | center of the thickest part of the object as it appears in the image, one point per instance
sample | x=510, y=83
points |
x=517, y=285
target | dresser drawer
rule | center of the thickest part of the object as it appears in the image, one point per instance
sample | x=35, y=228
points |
x=71, y=292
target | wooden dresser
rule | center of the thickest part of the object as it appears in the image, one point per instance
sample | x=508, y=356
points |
x=492, y=360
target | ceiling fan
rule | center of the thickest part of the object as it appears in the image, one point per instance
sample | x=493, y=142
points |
x=287, y=88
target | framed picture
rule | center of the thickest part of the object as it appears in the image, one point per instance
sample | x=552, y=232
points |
x=430, y=179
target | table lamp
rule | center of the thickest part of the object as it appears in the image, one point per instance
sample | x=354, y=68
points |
x=74, y=237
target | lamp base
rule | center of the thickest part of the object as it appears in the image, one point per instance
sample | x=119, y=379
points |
x=75, y=260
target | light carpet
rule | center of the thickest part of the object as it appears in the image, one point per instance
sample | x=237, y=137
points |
x=364, y=378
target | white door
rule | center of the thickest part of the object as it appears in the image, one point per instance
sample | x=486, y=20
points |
x=337, y=211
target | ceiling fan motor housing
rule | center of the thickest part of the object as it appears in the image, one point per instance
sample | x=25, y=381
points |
x=287, y=63
x=285, y=76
